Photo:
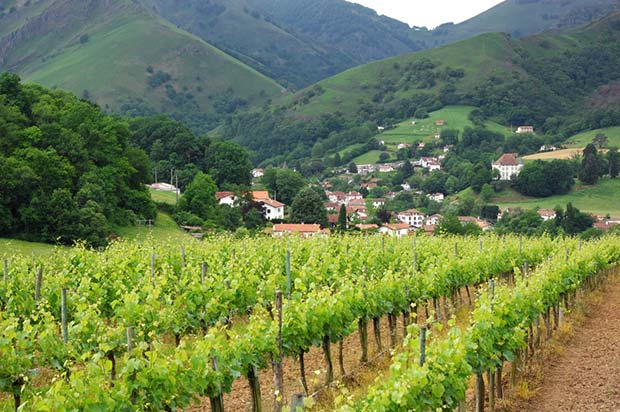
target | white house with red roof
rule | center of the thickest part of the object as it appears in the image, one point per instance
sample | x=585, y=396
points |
x=508, y=165
x=226, y=198
x=412, y=217
x=395, y=229
x=547, y=214
x=272, y=209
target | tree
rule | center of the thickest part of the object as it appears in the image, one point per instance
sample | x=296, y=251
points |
x=406, y=170
x=384, y=157
x=613, y=159
x=342, y=218
x=542, y=179
x=486, y=193
x=352, y=168
x=199, y=197
x=284, y=184
x=589, y=171
x=308, y=207
x=574, y=221
x=228, y=164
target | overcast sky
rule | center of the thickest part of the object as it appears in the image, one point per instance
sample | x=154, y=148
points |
x=429, y=13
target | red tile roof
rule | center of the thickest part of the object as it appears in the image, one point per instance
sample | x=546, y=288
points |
x=222, y=195
x=296, y=228
x=508, y=159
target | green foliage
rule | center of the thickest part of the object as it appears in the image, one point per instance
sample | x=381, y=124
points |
x=228, y=164
x=308, y=208
x=342, y=218
x=591, y=166
x=69, y=170
x=542, y=179
x=284, y=184
x=199, y=198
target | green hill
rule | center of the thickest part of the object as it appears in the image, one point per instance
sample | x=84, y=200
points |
x=126, y=58
x=557, y=82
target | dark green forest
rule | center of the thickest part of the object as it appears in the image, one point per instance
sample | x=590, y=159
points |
x=69, y=171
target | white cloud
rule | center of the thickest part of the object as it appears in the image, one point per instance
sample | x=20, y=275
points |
x=429, y=13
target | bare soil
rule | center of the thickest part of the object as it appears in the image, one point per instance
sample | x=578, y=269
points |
x=586, y=376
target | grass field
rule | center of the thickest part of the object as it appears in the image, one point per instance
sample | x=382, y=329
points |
x=424, y=130
x=582, y=139
x=164, y=197
x=601, y=199
x=369, y=157
x=164, y=228
x=20, y=247
x=557, y=154
x=111, y=65
x=455, y=117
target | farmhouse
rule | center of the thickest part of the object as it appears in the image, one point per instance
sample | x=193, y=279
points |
x=256, y=173
x=547, y=214
x=226, y=198
x=525, y=129
x=508, y=165
x=272, y=209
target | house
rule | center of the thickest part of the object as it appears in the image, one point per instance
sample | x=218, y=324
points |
x=386, y=168
x=547, y=214
x=406, y=186
x=164, y=187
x=272, y=209
x=382, y=142
x=421, y=145
x=353, y=196
x=332, y=206
x=395, y=229
x=508, y=165
x=482, y=224
x=525, y=129
x=256, y=173
x=391, y=195
x=436, y=197
x=447, y=148
x=226, y=198
x=434, y=219
x=547, y=148
x=365, y=169
x=305, y=230
x=403, y=146
x=412, y=217
x=430, y=163
x=440, y=122
x=380, y=128
x=332, y=219
x=429, y=229
x=260, y=195
x=358, y=212
x=378, y=202
x=437, y=135
x=368, y=186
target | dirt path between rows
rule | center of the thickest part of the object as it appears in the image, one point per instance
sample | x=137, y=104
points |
x=586, y=376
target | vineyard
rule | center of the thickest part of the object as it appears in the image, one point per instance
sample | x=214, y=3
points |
x=167, y=327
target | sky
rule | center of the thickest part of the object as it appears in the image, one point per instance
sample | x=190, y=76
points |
x=429, y=13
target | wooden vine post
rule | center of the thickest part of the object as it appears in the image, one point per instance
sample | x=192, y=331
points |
x=362, y=326
x=254, y=382
x=217, y=401
x=278, y=373
x=422, y=345
x=203, y=273
x=37, y=284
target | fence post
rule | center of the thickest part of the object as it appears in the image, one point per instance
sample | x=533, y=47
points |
x=422, y=345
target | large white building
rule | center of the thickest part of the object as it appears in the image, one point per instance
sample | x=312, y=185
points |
x=508, y=165
x=412, y=217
